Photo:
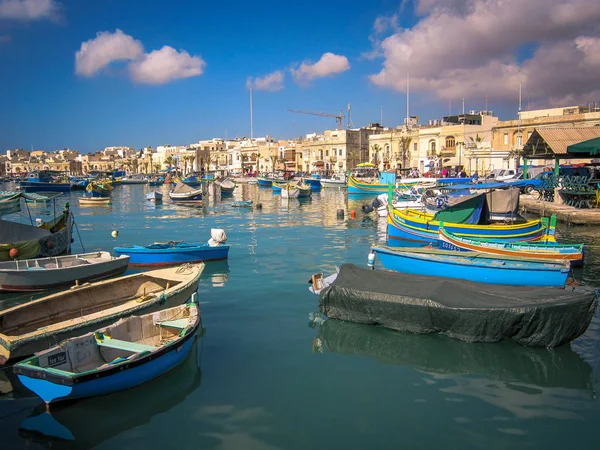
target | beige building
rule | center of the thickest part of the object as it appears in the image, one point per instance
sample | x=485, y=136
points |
x=509, y=136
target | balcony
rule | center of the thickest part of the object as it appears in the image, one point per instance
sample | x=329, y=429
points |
x=448, y=151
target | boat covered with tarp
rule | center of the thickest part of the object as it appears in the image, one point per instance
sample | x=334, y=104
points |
x=465, y=310
x=10, y=202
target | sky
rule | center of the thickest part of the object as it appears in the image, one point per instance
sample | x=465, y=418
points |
x=87, y=74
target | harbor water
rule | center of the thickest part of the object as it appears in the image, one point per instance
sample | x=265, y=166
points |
x=270, y=374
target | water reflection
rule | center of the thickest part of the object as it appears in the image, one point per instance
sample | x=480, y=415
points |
x=90, y=422
x=527, y=382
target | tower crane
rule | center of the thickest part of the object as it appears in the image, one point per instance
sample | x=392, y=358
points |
x=339, y=118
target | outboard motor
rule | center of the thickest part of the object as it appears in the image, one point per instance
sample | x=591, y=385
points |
x=217, y=237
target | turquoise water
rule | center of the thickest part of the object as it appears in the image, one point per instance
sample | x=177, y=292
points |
x=264, y=376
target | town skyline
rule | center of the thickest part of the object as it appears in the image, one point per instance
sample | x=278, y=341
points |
x=87, y=75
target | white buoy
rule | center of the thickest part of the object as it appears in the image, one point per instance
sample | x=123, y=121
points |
x=371, y=260
x=115, y=233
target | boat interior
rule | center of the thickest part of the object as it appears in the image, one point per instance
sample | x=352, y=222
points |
x=55, y=262
x=81, y=301
x=126, y=340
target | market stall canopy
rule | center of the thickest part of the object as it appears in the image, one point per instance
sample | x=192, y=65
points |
x=590, y=147
x=548, y=143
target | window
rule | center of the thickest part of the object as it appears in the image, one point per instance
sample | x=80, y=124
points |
x=505, y=138
x=415, y=147
x=432, y=146
x=340, y=152
x=519, y=141
x=450, y=142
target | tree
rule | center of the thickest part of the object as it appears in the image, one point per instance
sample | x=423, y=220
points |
x=169, y=161
x=157, y=167
x=404, y=149
x=376, y=148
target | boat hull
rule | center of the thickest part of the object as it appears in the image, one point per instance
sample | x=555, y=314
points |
x=154, y=197
x=314, y=183
x=129, y=376
x=417, y=226
x=480, y=269
x=39, y=279
x=172, y=256
x=264, y=182
x=35, y=186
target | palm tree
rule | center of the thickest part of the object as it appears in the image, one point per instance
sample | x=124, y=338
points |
x=169, y=161
x=376, y=148
x=157, y=167
x=404, y=149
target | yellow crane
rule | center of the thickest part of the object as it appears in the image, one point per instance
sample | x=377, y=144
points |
x=339, y=118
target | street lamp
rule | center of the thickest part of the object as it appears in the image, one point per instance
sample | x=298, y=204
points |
x=460, y=146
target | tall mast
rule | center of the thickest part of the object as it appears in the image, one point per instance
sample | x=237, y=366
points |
x=251, y=124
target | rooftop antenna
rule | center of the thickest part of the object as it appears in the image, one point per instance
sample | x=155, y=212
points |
x=251, y=124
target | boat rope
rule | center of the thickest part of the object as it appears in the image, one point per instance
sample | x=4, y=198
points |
x=78, y=234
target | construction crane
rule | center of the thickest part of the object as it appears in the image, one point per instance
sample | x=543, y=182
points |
x=339, y=118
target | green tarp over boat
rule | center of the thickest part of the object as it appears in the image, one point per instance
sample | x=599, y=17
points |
x=590, y=147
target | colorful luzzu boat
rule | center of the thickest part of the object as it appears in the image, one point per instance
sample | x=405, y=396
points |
x=524, y=250
x=415, y=225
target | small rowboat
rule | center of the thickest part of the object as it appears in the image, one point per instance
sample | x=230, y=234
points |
x=172, y=253
x=128, y=353
x=478, y=267
x=227, y=186
x=98, y=201
x=31, y=275
x=526, y=250
x=186, y=194
x=154, y=196
x=41, y=323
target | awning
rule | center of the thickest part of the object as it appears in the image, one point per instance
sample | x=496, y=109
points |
x=589, y=147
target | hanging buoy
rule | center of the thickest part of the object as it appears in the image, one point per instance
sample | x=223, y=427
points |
x=340, y=213
x=115, y=233
x=371, y=260
x=353, y=214
x=13, y=253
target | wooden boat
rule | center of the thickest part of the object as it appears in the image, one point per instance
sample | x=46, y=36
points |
x=182, y=193
x=156, y=182
x=39, y=324
x=242, y=204
x=569, y=252
x=48, y=273
x=79, y=183
x=409, y=224
x=154, y=196
x=290, y=191
x=132, y=351
x=314, y=183
x=95, y=201
x=172, y=253
x=264, y=182
x=134, y=180
x=479, y=267
x=10, y=202
x=50, y=238
x=101, y=188
x=227, y=186
x=276, y=187
x=191, y=181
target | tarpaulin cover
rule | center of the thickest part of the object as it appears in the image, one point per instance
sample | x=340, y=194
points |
x=504, y=201
x=531, y=316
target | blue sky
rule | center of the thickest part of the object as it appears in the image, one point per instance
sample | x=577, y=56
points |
x=47, y=105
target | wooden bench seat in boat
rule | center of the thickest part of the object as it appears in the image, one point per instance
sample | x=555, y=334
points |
x=132, y=347
x=178, y=323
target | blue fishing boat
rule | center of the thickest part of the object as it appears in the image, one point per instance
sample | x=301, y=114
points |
x=124, y=355
x=478, y=267
x=79, y=183
x=154, y=196
x=44, y=181
x=191, y=181
x=264, y=182
x=276, y=187
x=156, y=181
x=314, y=182
x=177, y=252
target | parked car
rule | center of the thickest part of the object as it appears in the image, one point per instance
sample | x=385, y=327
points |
x=530, y=184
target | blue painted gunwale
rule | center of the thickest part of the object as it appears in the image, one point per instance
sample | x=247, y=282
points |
x=120, y=376
x=178, y=254
x=314, y=183
x=478, y=268
x=402, y=226
x=264, y=182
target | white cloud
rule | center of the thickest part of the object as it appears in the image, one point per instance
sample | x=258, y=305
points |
x=474, y=48
x=329, y=64
x=29, y=9
x=164, y=65
x=107, y=47
x=272, y=82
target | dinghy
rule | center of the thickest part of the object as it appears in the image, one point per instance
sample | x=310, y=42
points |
x=32, y=275
x=39, y=324
x=186, y=194
x=128, y=353
x=154, y=196
x=95, y=201
x=227, y=186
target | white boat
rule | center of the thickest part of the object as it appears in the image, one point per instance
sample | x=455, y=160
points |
x=289, y=191
x=154, y=196
x=37, y=274
x=337, y=181
x=380, y=205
